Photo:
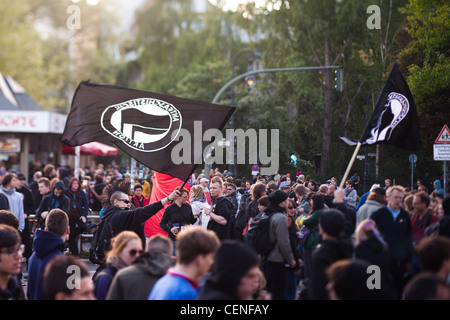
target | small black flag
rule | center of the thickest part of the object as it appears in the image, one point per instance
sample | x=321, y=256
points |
x=145, y=125
x=394, y=119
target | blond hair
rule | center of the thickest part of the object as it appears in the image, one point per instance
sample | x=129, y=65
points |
x=199, y=193
x=119, y=242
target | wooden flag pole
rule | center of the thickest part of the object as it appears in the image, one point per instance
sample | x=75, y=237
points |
x=350, y=165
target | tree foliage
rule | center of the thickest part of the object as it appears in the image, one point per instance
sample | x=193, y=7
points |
x=425, y=58
x=183, y=51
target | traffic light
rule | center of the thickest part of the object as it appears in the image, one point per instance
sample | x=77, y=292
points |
x=339, y=79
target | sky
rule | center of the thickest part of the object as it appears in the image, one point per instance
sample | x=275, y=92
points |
x=131, y=5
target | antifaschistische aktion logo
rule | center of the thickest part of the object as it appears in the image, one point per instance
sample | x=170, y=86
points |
x=144, y=124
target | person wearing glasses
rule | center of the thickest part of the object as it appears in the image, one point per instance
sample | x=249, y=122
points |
x=118, y=216
x=125, y=248
x=10, y=263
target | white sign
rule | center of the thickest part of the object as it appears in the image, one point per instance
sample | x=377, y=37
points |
x=32, y=121
x=441, y=152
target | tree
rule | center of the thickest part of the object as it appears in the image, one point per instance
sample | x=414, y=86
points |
x=310, y=33
x=173, y=38
x=423, y=53
x=37, y=45
x=21, y=55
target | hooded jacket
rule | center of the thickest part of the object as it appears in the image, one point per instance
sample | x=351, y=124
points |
x=47, y=245
x=439, y=188
x=50, y=202
x=136, y=281
x=15, y=205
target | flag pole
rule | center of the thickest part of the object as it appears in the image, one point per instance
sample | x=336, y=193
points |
x=189, y=177
x=350, y=165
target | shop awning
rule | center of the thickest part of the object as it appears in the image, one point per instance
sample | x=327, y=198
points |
x=92, y=149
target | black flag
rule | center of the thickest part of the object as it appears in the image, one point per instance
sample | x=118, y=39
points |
x=394, y=119
x=145, y=125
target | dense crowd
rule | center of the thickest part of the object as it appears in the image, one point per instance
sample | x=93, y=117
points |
x=321, y=241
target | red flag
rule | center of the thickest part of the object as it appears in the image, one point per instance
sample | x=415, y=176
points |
x=163, y=185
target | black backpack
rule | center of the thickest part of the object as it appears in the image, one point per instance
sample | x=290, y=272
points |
x=242, y=217
x=100, y=242
x=258, y=235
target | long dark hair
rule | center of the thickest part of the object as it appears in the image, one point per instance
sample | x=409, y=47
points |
x=318, y=203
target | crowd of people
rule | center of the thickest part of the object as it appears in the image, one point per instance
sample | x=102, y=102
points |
x=327, y=242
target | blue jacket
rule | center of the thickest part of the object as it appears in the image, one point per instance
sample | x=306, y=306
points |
x=47, y=245
x=173, y=286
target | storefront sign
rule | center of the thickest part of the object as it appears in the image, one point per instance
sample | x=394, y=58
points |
x=32, y=121
x=10, y=145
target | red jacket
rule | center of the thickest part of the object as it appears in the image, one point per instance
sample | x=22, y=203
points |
x=136, y=203
x=419, y=225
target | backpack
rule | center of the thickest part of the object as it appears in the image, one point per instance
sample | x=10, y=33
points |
x=258, y=235
x=100, y=242
x=241, y=217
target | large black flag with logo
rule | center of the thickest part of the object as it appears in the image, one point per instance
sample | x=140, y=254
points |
x=146, y=125
x=394, y=119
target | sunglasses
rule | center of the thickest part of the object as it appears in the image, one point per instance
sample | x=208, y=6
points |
x=290, y=207
x=124, y=200
x=134, y=252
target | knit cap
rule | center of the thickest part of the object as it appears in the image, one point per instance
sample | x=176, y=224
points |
x=332, y=222
x=277, y=196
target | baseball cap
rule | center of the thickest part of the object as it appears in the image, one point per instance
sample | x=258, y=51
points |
x=284, y=184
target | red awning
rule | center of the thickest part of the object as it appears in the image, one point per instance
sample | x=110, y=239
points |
x=92, y=149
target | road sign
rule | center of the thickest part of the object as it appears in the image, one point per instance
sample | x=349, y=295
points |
x=441, y=152
x=413, y=158
x=255, y=170
x=444, y=135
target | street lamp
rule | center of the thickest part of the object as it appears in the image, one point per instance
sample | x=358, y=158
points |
x=250, y=82
x=366, y=155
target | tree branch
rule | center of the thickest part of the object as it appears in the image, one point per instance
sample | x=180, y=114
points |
x=312, y=47
x=305, y=110
x=350, y=105
x=346, y=43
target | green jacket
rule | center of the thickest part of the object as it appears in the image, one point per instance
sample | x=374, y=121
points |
x=312, y=222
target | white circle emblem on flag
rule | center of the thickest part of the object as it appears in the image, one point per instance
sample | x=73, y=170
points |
x=144, y=124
